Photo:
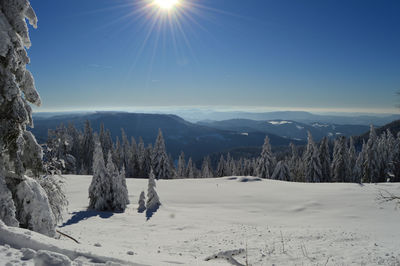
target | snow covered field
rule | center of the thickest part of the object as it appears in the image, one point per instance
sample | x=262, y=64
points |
x=280, y=223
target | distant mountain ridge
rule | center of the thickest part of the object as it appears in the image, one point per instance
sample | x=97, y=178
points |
x=196, y=115
x=195, y=140
x=298, y=116
x=288, y=128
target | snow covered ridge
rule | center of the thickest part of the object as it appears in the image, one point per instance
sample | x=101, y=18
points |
x=280, y=122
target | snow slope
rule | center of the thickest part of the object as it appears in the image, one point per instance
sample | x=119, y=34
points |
x=278, y=222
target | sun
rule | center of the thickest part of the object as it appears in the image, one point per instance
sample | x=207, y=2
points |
x=166, y=4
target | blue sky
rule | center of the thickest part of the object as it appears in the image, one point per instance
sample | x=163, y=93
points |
x=333, y=55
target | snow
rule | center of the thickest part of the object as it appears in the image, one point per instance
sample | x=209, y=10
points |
x=319, y=125
x=244, y=134
x=279, y=122
x=274, y=222
x=299, y=127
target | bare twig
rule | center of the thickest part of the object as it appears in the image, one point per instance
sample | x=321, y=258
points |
x=228, y=256
x=327, y=260
x=247, y=261
x=70, y=237
x=386, y=196
x=283, y=243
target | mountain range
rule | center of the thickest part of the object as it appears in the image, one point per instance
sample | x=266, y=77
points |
x=287, y=128
x=195, y=140
x=238, y=136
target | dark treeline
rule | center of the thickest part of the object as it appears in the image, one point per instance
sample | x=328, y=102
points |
x=71, y=150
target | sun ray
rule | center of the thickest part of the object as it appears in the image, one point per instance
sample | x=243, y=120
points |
x=159, y=24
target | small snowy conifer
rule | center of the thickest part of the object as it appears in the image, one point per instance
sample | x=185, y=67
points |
x=153, y=202
x=142, y=202
x=120, y=191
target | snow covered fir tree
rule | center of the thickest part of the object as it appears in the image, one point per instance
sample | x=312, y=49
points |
x=160, y=161
x=32, y=202
x=142, y=202
x=153, y=202
x=107, y=191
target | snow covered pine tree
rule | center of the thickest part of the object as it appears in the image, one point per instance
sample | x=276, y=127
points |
x=23, y=201
x=107, y=191
x=161, y=166
x=142, y=202
x=153, y=202
x=266, y=161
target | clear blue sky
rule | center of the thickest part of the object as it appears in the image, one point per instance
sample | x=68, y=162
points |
x=286, y=54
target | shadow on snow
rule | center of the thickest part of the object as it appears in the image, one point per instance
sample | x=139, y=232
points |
x=151, y=211
x=83, y=215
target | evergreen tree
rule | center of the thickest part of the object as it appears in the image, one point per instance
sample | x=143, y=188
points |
x=181, y=171
x=370, y=167
x=240, y=167
x=228, y=169
x=134, y=166
x=142, y=203
x=153, y=201
x=126, y=152
x=292, y=163
x=206, y=170
x=232, y=167
x=88, y=148
x=325, y=159
x=100, y=188
x=340, y=161
x=76, y=149
x=59, y=149
x=146, y=167
x=190, y=169
x=395, y=167
x=117, y=153
x=358, y=171
x=160, y=160
x=281, y=172
x=141, y=153
x=20, y=196
x=266, y=161
x=120, y=191
x=221, y=167
x=312, y=164
x=102, y=138
x=352, y=161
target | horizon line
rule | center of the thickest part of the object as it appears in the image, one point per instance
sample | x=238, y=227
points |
x=249, y=109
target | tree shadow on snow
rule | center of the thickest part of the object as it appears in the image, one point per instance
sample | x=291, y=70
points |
x=141, y=210
x=83, y=215
x=150, y=212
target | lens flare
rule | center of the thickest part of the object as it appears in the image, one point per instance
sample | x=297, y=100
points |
x=166, y=4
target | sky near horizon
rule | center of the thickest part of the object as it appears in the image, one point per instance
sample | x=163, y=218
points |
x=337, y=55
